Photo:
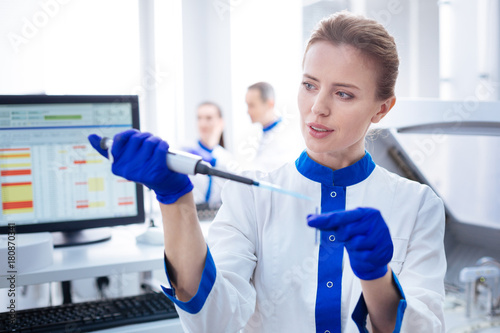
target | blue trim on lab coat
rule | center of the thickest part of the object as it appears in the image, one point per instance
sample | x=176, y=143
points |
x=361, y=311
x=212, y=162
x=330, y=257
x=273, y=125
x=329, y=290
x=207, y=281
x=347, y=176
x=209, y=189
x=202, y=146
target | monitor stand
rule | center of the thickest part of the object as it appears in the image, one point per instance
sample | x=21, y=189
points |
x=80, y=237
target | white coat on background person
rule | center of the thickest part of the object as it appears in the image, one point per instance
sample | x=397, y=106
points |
x=279, y=140
x=207, y=189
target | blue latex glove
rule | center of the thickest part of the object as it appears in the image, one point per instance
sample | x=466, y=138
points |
x=366, y=237
x=204, y=154
x=142, y=158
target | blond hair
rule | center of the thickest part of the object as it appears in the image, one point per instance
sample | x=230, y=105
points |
x=369, y=37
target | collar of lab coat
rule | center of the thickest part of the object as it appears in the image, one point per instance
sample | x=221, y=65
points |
x=347, y=176
x=202, y=146
x=271, y=126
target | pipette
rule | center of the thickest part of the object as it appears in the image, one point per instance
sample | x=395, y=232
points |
x=190, y=164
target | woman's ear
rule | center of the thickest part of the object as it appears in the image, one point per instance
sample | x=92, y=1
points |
x=384, y=109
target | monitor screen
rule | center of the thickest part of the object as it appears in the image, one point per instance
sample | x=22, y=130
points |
x=50, y=176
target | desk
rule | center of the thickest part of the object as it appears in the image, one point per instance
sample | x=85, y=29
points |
x=121, y=254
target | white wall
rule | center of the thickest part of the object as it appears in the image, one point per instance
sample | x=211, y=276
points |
x=470, y=35
x=162, y=68
x=97, y=47
x=207, y=62
x=229, y=45
x=223, y=46
x=65, y=47
x=266, y=45
x=415, y=27
x=21, y=63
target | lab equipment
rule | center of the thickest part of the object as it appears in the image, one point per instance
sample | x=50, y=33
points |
x=482, y=287
x=190, y=164
x=151, y=236
x=51, y=181
x=442, y=144
x=33, y=251
x=91, y=316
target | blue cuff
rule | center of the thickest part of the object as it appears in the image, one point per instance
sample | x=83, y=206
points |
x=195, y=304
x=361, y=311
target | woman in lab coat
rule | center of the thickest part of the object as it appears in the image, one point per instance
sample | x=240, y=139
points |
x=207, y=189
x=378, y=262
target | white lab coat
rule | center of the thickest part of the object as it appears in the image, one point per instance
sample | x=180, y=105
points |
x=202, y=183
x=277, y=146
x=267, y=260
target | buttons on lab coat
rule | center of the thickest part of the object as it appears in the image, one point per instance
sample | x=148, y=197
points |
x=329, y=284
x=331, y=238
x=333, y=194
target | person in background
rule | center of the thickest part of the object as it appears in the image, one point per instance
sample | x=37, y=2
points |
x=378, y=264
x=278, y=142
x=210, y=147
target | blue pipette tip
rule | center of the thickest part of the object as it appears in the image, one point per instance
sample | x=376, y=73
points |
x=276, y=188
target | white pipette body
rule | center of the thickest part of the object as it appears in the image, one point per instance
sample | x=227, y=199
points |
x=177, y=161
x=190, y=164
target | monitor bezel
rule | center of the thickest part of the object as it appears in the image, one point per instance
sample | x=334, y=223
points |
x=75, y=225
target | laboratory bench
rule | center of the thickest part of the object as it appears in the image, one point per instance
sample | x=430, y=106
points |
x=119, y=255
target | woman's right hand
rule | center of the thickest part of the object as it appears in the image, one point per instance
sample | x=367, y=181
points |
x=142, y=158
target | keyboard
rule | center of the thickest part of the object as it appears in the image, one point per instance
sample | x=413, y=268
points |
x=90, y=316
x=206, y=213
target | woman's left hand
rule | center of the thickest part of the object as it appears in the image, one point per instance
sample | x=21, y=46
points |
x=366, y=237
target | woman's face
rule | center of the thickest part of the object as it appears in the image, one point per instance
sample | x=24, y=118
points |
x=337, y=102
x=210, y=124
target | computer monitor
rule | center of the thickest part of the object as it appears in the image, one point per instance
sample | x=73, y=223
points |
x=52, y=179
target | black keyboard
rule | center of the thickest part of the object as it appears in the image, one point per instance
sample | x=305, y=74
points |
x=90, y=316
x=205, y=213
